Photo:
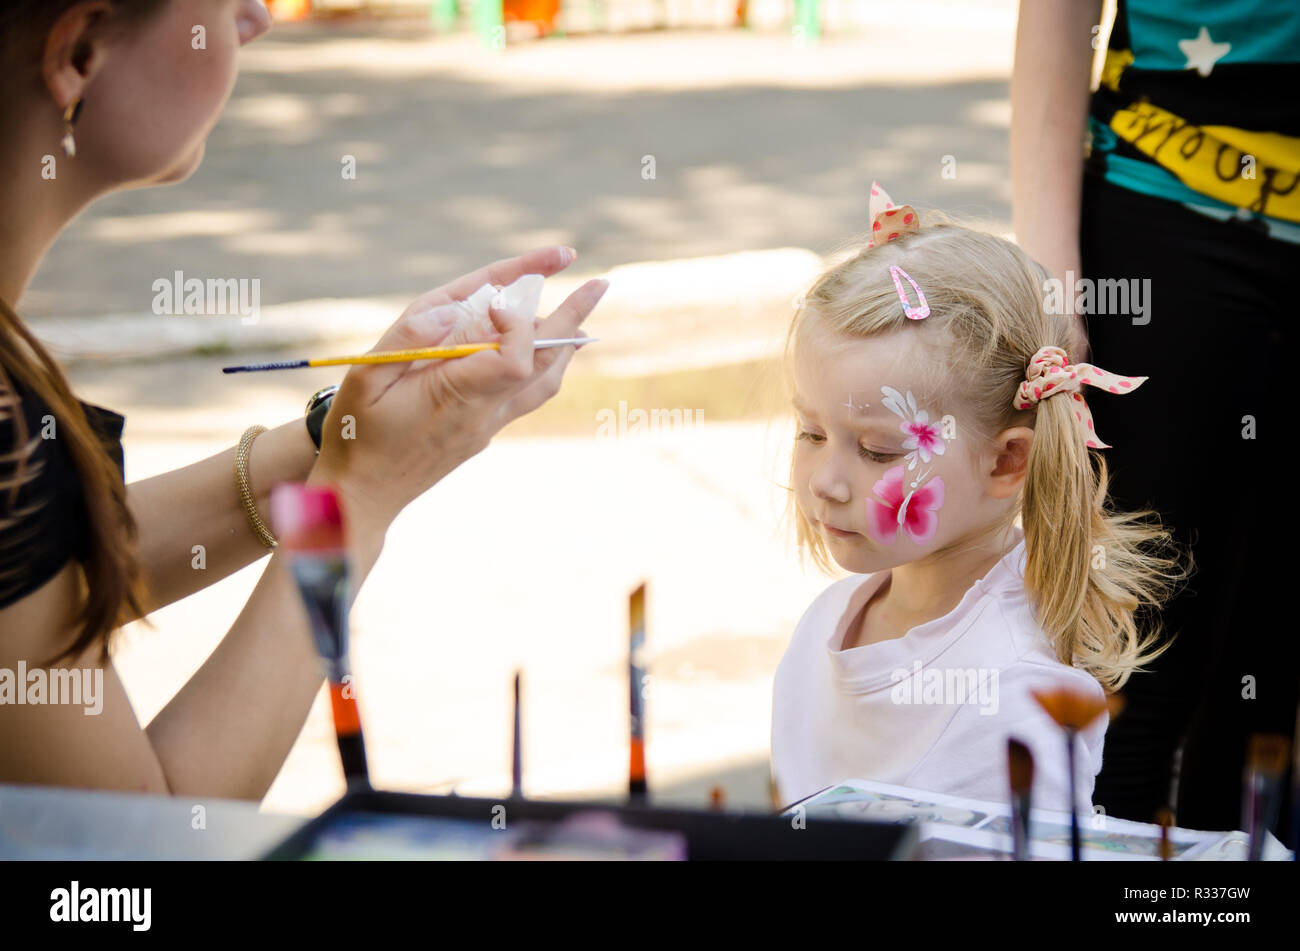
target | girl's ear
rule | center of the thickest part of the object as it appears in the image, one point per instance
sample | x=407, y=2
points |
x=1011, y=459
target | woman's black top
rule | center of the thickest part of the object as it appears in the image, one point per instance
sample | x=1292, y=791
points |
x=46, y=523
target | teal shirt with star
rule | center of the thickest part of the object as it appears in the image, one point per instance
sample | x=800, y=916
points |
x=1200, y=103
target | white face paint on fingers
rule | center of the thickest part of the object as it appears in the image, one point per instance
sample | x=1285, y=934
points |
x=521, y=299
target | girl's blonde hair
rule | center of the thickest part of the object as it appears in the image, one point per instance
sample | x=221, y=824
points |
x=987, y=320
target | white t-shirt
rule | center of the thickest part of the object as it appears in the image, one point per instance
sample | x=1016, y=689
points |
x=932, y=709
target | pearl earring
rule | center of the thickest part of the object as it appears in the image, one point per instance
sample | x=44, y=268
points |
x=69, y=117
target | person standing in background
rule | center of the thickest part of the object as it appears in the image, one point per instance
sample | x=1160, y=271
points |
x=1177, y=177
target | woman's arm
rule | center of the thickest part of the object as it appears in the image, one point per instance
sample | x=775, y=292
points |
x=228, y=730
x=225, y=734
x=1049, y=111
x=259, y=682
x=199, y=505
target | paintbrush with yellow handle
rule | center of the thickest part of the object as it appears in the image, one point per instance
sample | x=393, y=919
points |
x=403, y=356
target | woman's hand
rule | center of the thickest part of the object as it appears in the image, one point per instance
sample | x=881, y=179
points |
x=393, y=430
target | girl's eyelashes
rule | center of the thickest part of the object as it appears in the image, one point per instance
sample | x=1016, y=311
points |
x=874, y=456
x=817, y=439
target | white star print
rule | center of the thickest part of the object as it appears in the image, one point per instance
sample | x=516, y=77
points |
x=1202, y=53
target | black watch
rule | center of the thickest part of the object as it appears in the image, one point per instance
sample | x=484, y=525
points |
x=317, y=408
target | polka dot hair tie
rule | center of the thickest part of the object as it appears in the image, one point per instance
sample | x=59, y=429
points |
x=1050, y=372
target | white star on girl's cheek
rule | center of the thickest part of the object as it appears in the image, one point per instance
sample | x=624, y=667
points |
x=1202, y=53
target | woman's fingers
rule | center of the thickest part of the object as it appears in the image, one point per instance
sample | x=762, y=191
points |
x=544, y=385
x=549, y=365
x=543, y=261
x=516, y=343
x=568, y=317
x=529, y=377
x=516, y=337
x=566, y=320
x=423, y=327
x=488, y=371
x=419, y=325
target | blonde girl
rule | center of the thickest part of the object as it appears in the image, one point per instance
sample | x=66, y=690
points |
x=945, y=457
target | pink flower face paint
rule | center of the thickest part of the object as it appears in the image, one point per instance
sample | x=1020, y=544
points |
x=924, y=438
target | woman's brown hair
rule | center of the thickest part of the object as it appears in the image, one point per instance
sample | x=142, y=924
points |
x=112, y=584
x=112, y=581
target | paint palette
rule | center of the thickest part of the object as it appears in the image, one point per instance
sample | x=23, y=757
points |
x=370, y=824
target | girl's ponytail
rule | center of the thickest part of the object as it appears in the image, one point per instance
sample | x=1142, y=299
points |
x=1088, y=568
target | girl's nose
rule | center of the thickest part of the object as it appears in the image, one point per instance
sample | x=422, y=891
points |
x=829, y=485
x=254, y=20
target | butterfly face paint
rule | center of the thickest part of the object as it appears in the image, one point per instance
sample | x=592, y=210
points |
x=913, y=508
x=902, y=504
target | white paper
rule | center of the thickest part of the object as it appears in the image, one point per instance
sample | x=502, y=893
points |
x=953, y=827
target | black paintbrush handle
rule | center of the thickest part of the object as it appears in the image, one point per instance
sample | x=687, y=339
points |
x=347, y=728
x=1076, y=844
x=258, y=367
x=352, y=750
x=1020, y=827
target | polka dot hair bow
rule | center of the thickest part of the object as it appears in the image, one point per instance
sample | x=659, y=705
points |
x=890, y=221
x=1050, y=374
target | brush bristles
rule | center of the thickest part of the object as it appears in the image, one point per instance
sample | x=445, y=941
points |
x=1070, y=709
x=307, y=517
x=636, y=608
x=1021, y=765
x=1268, y=754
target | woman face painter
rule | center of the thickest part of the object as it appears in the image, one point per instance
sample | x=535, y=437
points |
x=105, y=95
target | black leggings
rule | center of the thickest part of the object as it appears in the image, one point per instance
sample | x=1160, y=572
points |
x=1219, y=346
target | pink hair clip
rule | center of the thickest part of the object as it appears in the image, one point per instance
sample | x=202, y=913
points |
x=922, y=308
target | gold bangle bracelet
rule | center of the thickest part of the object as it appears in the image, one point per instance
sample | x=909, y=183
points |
x=246, y=498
